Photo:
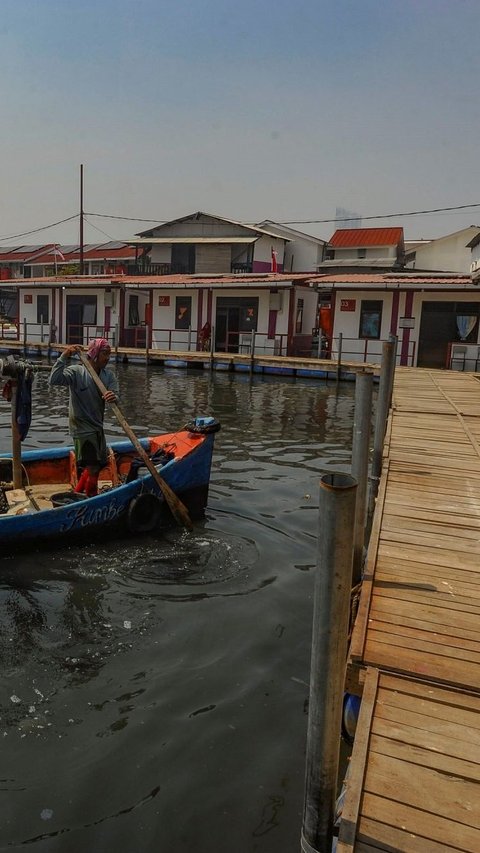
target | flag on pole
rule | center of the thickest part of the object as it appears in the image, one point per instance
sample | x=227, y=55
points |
x=273, y=265
x=58, y=253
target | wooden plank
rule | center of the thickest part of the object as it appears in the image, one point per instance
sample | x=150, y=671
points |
x=376, y=635
x=441, y=695
x=456, y=632
x=394, y=839
x=389, y=777
x=361, y=622
x=354, y=782
x=424, y=741
x=428, y=707
x=429, y=666
x=429, y=611
x=423, y=593
x=417, y=635
x=426, y=554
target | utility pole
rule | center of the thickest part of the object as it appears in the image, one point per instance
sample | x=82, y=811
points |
x=81, y=220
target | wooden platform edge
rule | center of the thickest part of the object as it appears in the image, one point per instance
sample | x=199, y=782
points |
x=354, y=782
x=359, y=633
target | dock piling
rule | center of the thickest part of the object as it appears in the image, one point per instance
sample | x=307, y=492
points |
x=385, y=388
x=360, y=453
x=331, y=611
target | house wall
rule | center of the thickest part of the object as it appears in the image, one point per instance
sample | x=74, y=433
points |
x=347, y=322
x=302, y=256
x=262, y=258
x=166, y=336
x=396, y=304
x=28, y=311
x=371, y=252
x=212, y=258
x=161, y=253
x=203, y=226
x=448, y=254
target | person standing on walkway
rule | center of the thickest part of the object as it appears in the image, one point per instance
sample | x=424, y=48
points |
x=87, y=408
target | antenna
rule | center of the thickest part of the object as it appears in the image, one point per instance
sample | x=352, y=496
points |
x=81, y=220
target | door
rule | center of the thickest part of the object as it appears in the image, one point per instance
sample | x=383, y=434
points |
x=437, y=328
x=235, y=316
x=81, y=313
x=227, y=326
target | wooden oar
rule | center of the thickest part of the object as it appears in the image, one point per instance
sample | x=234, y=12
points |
x=177, y=508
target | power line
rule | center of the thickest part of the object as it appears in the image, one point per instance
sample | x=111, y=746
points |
x=99, y=229
x=36, y=230
x=129, y=218
x=283, y=222
x=379, y=216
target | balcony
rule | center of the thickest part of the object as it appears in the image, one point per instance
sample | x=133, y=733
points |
x=156, y=269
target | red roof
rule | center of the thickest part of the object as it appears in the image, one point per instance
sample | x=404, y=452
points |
x=356, y=238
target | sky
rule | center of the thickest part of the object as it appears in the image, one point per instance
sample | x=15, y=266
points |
x=273, y=110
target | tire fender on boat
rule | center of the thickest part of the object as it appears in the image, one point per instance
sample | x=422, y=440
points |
x=144, y=513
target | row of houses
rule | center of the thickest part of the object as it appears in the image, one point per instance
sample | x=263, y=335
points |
x=242, y=290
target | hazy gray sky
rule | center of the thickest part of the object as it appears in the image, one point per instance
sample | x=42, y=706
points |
x=247, y=110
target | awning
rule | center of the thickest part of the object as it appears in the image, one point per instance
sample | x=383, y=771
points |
x=148, y=241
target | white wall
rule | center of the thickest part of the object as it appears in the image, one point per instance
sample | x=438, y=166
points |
x=302, y=256
x=371, y=252
x=348, y=323
x=448, y=254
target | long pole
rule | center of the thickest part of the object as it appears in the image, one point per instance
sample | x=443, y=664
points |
x=81, y=221
x=177, y=508
x=331, y=610
x=16, y=443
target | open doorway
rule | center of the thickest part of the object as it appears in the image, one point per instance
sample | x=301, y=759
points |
x=235, y=318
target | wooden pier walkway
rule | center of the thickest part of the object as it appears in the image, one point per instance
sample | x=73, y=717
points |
x=414, y=777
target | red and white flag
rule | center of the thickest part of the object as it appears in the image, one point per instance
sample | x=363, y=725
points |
x=274, y=261
x=58, y=253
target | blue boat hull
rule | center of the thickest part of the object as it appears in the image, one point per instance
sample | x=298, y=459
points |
x=188, y=476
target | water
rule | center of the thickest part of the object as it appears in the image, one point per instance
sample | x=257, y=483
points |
x=153, y=694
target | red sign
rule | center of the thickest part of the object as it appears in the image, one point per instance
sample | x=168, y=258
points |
x=348, y=304
x=28, y=298
x=164, y=300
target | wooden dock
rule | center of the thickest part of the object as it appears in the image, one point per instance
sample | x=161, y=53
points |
x=301, y=366
x=414, y=777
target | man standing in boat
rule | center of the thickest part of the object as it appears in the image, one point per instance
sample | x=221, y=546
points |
x=87, y=408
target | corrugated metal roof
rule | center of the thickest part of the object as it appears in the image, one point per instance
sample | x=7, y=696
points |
x=197, y=214
x=359, y=237
x=357, y=262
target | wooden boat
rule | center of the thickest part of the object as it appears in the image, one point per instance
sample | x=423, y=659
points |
x=129, y=498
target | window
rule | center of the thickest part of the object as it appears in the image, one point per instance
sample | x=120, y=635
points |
x=183, y=312
x=370, y=318
x=42, y=308
x=361, y=253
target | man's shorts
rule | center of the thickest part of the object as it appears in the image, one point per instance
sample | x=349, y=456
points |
x=91, y=449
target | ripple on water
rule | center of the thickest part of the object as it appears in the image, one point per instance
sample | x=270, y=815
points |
x=203, y=559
